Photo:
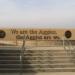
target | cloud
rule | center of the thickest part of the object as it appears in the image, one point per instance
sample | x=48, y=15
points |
x=37, y=13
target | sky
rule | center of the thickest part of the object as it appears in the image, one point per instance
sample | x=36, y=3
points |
x=37, y=13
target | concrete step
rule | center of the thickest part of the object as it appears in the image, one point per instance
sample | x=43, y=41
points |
x=36, y=59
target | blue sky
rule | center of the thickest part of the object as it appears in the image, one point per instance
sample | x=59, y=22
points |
x=37, y=13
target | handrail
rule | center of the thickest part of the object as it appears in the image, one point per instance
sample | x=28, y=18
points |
x=70, y=47
x=22, y=55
